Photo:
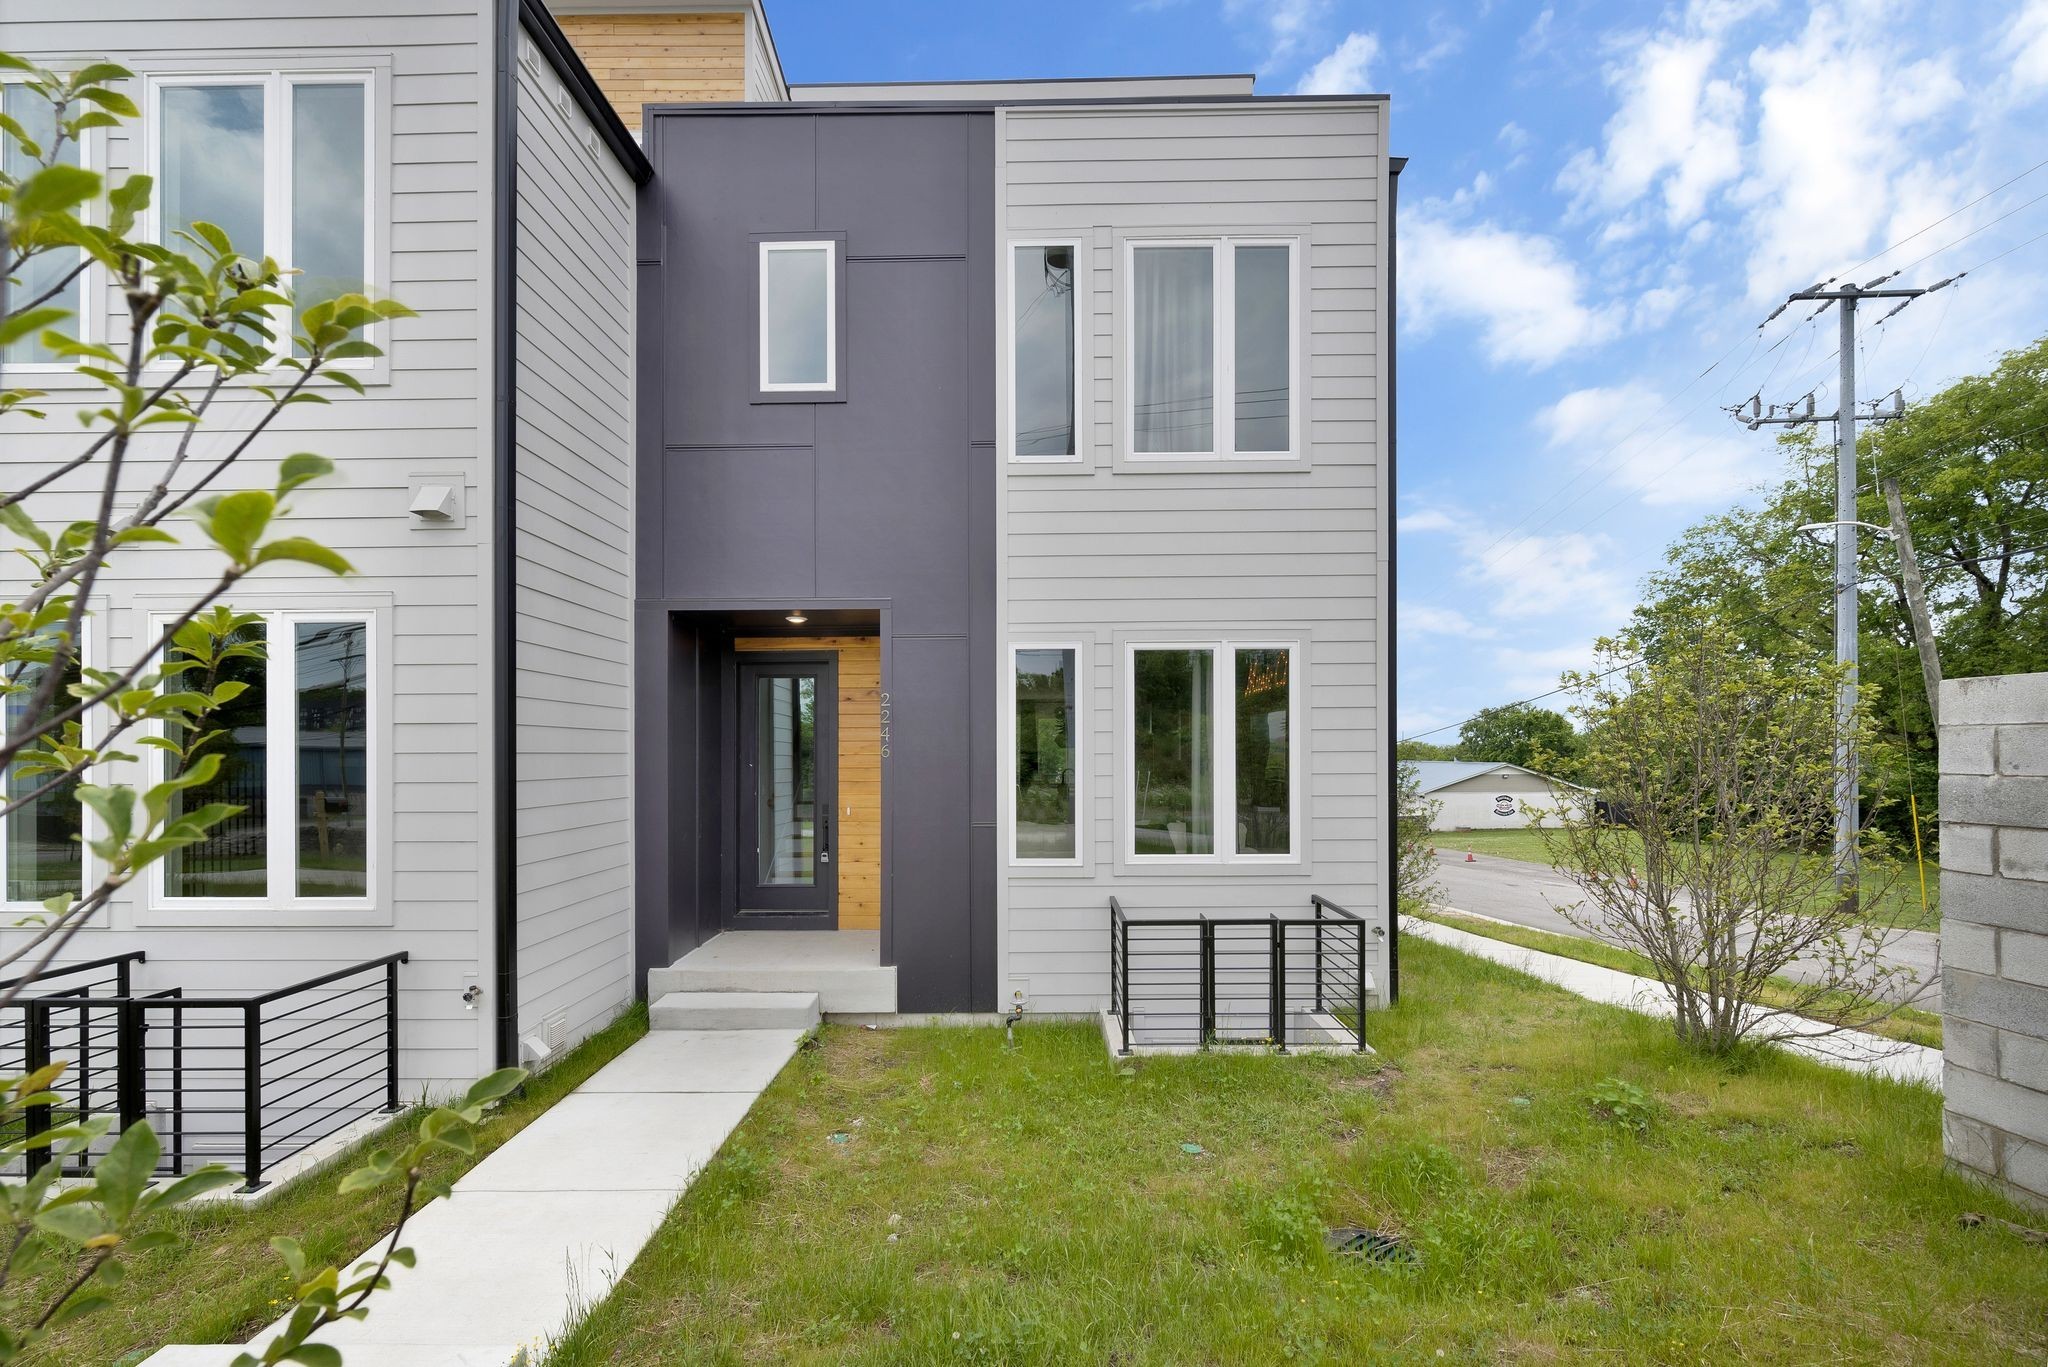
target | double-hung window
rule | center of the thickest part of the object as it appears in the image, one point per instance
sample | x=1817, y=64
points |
x=1046, y=754
x=1214, y=760
x=1045, y=351
x=53, y=272
x=279, y=161
x=799, y=329
x=296, y=758
x=1212, y=364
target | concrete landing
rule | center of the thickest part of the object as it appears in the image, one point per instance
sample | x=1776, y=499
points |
x=844, y=968
x=539, y=1231
x=734, y=1011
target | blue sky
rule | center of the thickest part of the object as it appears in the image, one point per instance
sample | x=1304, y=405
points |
x=1602, y=202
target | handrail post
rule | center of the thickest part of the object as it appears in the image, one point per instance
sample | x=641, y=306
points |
x=1318, y=905
x=177, y=1091
x=1124, y=969
x=391, y=1035
x=1206, y=955
x=1277, y=972
x=37, y=1050
x=252, y=1097
x=1360, y=970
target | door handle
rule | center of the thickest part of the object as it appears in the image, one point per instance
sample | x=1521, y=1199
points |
x=825, y=836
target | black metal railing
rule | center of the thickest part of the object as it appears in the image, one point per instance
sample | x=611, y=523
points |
x=248, y=1081
x=1283, y=980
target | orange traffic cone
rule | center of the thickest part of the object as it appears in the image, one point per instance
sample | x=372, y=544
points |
x=1469, y=859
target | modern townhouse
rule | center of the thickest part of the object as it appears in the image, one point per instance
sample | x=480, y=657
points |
x=830, y=539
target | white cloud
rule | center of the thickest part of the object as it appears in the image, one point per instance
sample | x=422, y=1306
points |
x=1343, y=70
x=1512, y=136
x=1827, y=158
x=1678, y=129
x=1627, y=433
x=1428, y=520
x=2027, y=43
x=1446, y=40
x=1288, y=25
x=1545, y=576
x=1423, y=619
x=1526, y=295
x=1525, y=673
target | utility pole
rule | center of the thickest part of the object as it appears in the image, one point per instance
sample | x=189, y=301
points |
x=1848, y=818
x=1916, y=601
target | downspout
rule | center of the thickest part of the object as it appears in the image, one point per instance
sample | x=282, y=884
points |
x=504, y=357
x=1392, y=603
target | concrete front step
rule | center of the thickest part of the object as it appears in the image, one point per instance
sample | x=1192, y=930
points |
x=843, y=967
x=734, y=1011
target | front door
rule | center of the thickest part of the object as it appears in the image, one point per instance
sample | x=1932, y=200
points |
x=788, y=778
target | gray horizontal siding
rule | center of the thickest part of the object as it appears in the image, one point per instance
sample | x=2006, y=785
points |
x=426, y=418
x=574, y=493
x=1096, y=553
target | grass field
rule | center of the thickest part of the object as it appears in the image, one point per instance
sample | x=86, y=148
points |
x=1907, y=1023
x=222, y=1281
x=929, y=1196
x=1899, y=904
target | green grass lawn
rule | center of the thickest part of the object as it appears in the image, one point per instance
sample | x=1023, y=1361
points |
x=930, y=1196
x=222, y=1281
x=1908, y=1023
x=1899, y=904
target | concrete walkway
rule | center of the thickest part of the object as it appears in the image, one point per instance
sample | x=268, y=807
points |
x=1852, y=1049
x=540, y=1230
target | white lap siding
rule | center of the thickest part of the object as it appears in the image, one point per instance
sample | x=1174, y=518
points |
x=574, y=499
x=428, y=588
x=1104, y=554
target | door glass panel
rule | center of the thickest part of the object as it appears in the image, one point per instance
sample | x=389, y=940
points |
x=786, y=781
x=1173, y=767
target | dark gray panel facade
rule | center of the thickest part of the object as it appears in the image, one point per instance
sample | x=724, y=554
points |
x=876, y=507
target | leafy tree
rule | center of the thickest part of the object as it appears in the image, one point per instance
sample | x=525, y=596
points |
x=1972, y=466
x=1521, y=733
x=1724, y=876
x=1422, y=749
x=1414, y=818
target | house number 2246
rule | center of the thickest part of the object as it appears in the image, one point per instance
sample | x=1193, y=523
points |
x=885, y=726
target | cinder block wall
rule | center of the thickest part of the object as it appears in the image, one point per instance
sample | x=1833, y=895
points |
x=1994, y=929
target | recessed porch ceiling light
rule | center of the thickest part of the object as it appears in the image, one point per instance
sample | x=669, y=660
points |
x=796, y=617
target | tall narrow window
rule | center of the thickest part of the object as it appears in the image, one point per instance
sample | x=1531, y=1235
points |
x=1173, y=350
x=1173, y=752
x=1262, y=391
x=1042, y=338
x=329, y=194
x=1047, y=754
x=233, y=862
x=44, y=858
x=333, y=703
x=798, y=299
x=43, y=273
x=211, y=160
x=1264, y=768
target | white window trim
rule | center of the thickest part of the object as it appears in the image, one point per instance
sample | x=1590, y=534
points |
x=1080, y=250
x=278, y=84
x=85, y=325
x=831, y=250
x=91, y=650
x=1223, y=338
x=1223, y=741
x=281, y=774
x=1080, y=748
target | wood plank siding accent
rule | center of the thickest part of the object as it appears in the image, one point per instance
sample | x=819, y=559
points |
x=662, y=58
x=859, y=841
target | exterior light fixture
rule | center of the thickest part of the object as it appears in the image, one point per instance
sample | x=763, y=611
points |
x=796, y=617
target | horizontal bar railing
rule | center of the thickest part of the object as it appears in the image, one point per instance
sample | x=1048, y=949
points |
x=1280, y=979
x=247, y=1080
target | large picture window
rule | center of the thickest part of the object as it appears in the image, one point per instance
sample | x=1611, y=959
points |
x=1212, y=364
x=1214, y=752
x=1044, y=351
x=1046, y=754
x=295, y=758
x=280, y=162
x=799, y=334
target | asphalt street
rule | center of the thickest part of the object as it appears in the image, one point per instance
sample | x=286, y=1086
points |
x=1529, y=895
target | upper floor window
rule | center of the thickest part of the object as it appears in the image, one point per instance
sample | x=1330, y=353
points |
x=1044, y=351
x=295, y=759
x=279, y=162
x=1212, y=365
x=799, y=330
x=46, y=272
